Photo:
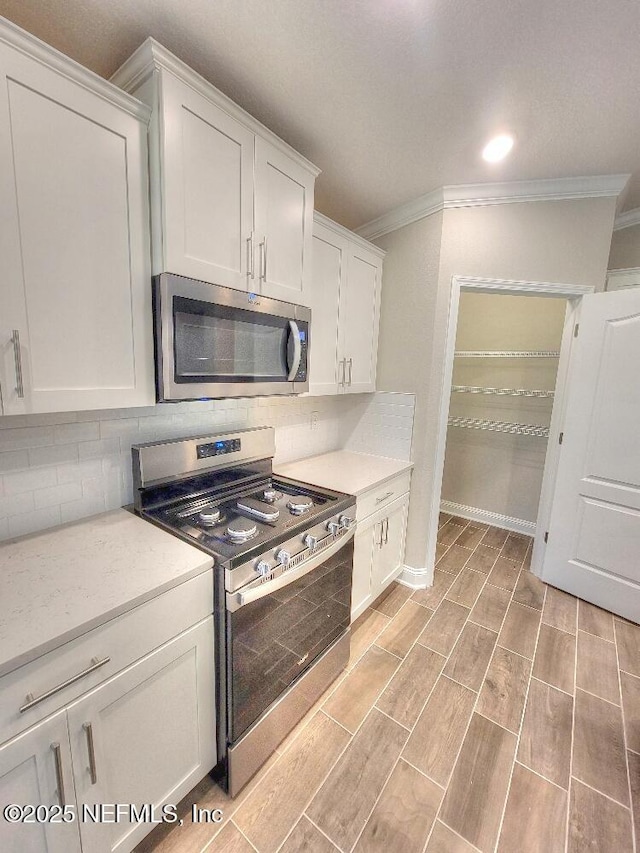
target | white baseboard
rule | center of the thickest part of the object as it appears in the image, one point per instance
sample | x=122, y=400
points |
x=517, y=525
x=415, y=578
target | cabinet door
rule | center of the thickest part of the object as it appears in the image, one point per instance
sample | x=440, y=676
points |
x=33, y=768
x=359, y=319
x=74, y=246
x=389, y=549
x=207, y=188
x=283, y=225
x=145, y=736
x=364, y=543
x=330, y=253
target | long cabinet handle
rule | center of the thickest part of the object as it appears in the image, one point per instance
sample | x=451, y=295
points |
x=381, y=542
x=17, y=357
x=57, y=757
x=350, y=371
x=32, y=701
x=383, y=497
x=386, y=530
x=91, y=749
x=251, y=273
x=264, y=273
x=342, y=365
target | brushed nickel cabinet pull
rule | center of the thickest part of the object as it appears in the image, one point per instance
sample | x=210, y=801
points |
x=32, y=701
x=383, y=497
x=250, y=263
x=350, y=371
x=17, y=357
x=57, y=756
x=92, y=752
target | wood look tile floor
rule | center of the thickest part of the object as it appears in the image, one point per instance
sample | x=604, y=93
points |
x=489, y=713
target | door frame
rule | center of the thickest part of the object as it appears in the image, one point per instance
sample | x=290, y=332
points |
x=573, y=293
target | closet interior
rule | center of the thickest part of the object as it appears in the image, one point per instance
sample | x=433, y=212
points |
x=502, y=395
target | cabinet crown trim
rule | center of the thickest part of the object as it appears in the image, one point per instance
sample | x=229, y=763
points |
x=34, y=48
x=483, y=195
x=152, y=56
x=627, y=219
x=321, y=219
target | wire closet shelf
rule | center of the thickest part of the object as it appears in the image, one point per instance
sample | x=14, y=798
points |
x=500, y=426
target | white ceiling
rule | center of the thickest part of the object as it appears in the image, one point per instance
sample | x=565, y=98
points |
x=394, y=98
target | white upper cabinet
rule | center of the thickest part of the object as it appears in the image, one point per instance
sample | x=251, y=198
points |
x=207, y=198
x=284, y=224
x=345, y=310
x=330, y=253
x=231, y=203
x=75, y=304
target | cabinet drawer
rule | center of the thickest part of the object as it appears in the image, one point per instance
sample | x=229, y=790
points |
x=382, y=495
x=118, y=643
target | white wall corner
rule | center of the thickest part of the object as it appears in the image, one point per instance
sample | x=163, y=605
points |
x=415, y=578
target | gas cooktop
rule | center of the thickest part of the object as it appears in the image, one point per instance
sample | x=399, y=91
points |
x=228, y=527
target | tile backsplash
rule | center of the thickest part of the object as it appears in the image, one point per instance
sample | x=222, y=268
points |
x=61, y=467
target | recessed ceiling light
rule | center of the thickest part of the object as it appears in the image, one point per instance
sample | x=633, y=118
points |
x=498, y=148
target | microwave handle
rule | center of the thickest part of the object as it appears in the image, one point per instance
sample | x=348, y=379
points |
x=297, y=350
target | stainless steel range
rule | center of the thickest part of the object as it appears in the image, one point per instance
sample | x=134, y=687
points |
x=283, y=560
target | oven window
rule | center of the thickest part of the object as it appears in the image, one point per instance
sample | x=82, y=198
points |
x=216, y=343
x=275, y=639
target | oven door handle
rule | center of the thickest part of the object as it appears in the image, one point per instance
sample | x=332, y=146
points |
x=236, y=600
x=294, y=333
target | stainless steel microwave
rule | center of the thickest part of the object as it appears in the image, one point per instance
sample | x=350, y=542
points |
x=214, y=342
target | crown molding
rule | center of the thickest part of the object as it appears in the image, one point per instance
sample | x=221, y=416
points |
x=321, y=219
x=404, y=214
x=483, y=195
x=627, y=219
x=43, y=53
x=152, y=56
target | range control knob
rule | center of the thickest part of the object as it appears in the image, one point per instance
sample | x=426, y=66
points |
x=263, y=568
x=345, y=522
x=333, y=527
x=283, y=557
x=310, y=541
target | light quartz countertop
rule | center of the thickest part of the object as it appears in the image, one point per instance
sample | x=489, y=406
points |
x=344, y=470
x=59, y=584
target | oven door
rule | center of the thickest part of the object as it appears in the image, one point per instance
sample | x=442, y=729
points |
x=277, y=629
x=216, y=342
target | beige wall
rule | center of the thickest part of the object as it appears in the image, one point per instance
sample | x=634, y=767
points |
x=408, y=304
x=494, y=471
x=559, y=241
x=625, y=248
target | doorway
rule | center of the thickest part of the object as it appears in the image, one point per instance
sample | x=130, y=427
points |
x=514, y=394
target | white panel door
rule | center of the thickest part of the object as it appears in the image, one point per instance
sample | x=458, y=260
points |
x=389, y=548
x=33, y=768
x=359, y=319
x=75, y=246
x=330, y=253
x=208, y=188
x=145, y=736
x=367, y=534
x=593, y=548
x=283, y=225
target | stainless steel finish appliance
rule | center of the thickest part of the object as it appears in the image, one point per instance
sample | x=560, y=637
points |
x=212, y=342
x=283, y=553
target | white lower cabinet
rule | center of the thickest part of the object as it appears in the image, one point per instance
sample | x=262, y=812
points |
x=378, y=552
x=35, y=769
x=144, y=737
